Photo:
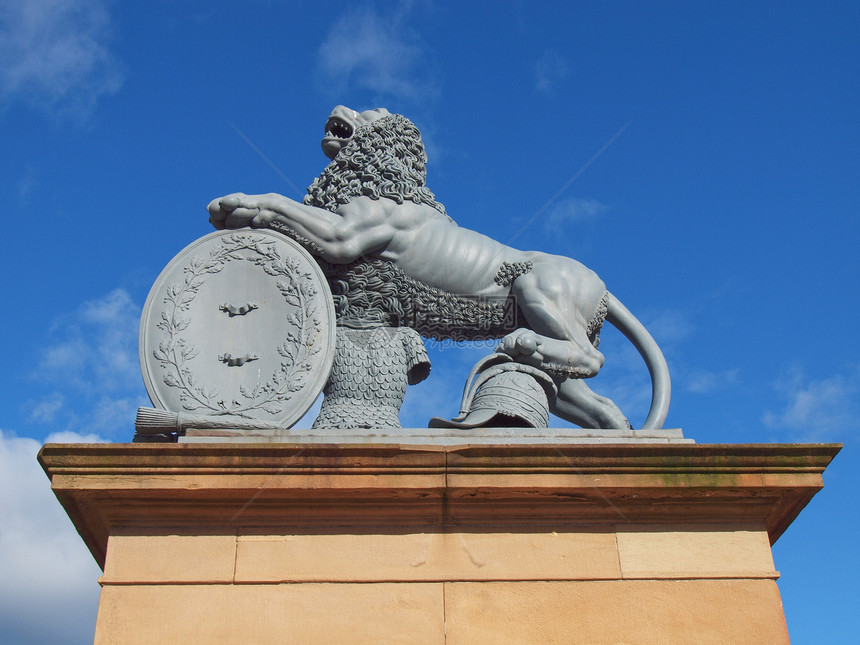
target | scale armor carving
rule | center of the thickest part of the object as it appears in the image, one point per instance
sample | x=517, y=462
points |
x=368, y=380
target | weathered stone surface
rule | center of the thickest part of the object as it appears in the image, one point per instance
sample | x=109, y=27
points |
x=104, y=486
x=673, y=612
x=450, y=555
x=170, y=556
x=705, y=551
x=365, y=614
x=508, y=544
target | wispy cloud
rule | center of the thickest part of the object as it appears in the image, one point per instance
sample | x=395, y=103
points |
x=45, y=410
x=705, y=382
x=670, y=326
x=91, y=360
x=550, y=70
x=66, y=436
x=96, y=347
x=375, y=51
x=818, y=409
x=109, y=414
x=572, y=211
x=54, y=54
x=45, y=569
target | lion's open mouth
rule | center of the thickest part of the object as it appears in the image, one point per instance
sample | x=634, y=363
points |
x=338, y=128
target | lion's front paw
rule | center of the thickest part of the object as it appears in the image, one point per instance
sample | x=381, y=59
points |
x=233, y=211
x=522, y=345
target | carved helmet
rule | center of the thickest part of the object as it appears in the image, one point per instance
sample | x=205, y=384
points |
x=502, y=393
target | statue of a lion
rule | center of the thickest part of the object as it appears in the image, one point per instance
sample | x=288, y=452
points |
x=371, y=212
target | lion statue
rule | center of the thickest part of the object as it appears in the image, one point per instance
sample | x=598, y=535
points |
x=376, y=228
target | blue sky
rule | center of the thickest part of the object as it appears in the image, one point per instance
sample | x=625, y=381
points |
x=724, y=215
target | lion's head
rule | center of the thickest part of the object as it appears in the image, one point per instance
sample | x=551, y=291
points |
x=341, y=125
x=374, y=154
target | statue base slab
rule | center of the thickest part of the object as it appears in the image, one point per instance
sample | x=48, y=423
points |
x=243, y=543
x=436, y=436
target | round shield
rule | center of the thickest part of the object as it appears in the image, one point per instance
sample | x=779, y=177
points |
x=240, y=324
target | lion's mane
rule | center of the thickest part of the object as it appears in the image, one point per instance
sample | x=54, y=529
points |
x=385, y=158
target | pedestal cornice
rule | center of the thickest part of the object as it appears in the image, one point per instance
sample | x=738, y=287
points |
x=397, y=489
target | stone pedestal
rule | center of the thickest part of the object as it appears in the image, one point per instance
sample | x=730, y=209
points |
x=244, y=543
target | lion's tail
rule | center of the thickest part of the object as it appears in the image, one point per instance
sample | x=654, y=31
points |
x=661, y=387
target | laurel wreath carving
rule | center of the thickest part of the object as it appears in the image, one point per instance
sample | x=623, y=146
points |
x=297, y=350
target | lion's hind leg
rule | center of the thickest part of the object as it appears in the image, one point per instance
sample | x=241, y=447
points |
x=557, y=299
x=577, y=403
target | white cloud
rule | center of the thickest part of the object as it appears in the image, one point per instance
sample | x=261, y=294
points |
x=110, y=414
x=92, y=362
x=74, y=437
x=67, y=356
x=45, y=410
x=573, y=210
x=550, y=70
x=97, y=346
x=375, y=51
x=818, y=409
x=48, y=580
x=54, y=54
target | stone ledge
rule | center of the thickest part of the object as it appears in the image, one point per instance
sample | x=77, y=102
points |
x=448, y=437
x=396, y=490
